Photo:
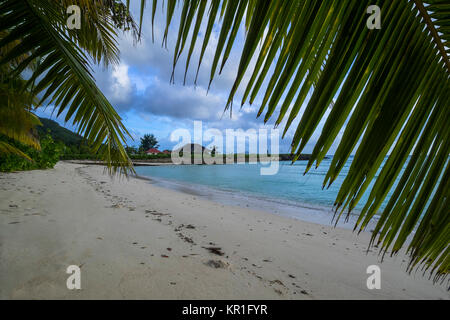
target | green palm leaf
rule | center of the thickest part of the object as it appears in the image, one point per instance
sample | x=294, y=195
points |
x=388, y=90
x=37, y=29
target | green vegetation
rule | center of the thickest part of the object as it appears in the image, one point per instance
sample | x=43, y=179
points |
x=74, y=147
x=56, y=143
x=58, y=133
x=148, y=141
x=44, y=158
x=143, y=156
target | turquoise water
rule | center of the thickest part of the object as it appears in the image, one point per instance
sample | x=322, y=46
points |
x=288, y=184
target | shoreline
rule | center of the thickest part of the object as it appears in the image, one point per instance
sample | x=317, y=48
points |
x=306, y=212
x=136, y=240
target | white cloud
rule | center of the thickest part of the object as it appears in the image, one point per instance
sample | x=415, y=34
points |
x=121, y=86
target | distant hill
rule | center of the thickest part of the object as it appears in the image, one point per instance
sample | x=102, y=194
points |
x=195, y=148
x=58, y=133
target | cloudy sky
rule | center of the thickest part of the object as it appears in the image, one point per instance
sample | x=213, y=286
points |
x=140, y=89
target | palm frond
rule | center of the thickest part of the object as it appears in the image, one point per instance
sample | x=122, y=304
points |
x=62, y=76
x=16, y=119
x=101, y=20
x=6, y=148
x=390, y=93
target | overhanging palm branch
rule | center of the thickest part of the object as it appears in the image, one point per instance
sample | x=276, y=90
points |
x=16, y=119
x=62, y=78
x=389, y=90
x=101, y=21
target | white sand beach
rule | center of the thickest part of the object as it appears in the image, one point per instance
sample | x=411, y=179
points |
x=135, y=240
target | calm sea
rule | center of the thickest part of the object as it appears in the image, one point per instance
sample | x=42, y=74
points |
x=242, y=184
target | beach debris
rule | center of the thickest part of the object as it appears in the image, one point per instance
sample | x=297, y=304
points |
x=278, y=291
x=291, y=276
x=215, y=250
x=155, y=213
x=117, y=206
x=304, y=292
x=173, y=283
x=217, y=264
x=13, y=206
x=169, y=249
x=164, y=256
x=267, y=260
x=99, y=238
x=143, y=247
x=135, y=243
x=276, y=281
x=186, y=238
x=181, y=226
